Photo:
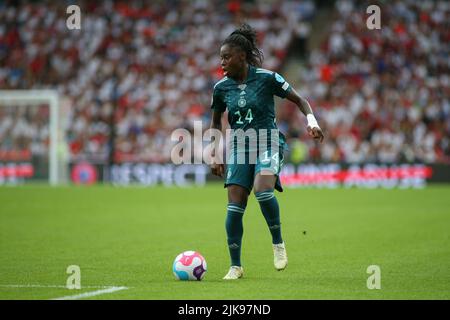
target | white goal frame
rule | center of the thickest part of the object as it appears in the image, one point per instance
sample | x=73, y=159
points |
x=36, y=97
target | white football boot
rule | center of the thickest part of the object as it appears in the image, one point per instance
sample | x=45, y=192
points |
x=280, y=259
x=234, y=273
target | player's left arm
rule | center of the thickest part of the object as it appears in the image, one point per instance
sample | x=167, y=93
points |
x=313, y=127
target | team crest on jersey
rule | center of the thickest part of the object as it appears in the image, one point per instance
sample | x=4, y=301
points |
x=279, y=78
x=242, y=102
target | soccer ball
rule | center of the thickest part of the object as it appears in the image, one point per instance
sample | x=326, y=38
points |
x=189, y=265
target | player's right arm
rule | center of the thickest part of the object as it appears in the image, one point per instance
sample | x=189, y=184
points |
x=313, y=127
x=218, y=107
x=216, y=123
x=283, y=90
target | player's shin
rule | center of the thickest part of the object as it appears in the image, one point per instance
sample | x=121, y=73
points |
x=271, y=211
x=235, y=230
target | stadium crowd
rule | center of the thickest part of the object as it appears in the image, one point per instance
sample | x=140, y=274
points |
x=154, y=63
x=138, y=70
x=380, y=95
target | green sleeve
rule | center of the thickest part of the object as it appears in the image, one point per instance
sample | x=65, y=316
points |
x=280, y=86
x=217, y=103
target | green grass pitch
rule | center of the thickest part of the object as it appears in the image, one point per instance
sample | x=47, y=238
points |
x=130, y=237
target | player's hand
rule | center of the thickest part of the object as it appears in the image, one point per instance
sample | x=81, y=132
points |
x=218, y=169
x=315, y=133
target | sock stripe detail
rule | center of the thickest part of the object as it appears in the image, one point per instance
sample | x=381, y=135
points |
x=263, y=193
x=235, y=209
x=265, y=197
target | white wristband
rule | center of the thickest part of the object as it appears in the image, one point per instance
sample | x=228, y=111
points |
x=312, y=122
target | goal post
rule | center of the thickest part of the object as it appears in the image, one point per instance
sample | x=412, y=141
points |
x=34, y=98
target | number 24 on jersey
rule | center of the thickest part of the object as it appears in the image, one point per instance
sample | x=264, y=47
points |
x=248, y=116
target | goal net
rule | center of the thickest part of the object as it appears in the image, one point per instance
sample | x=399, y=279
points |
x=32, y=139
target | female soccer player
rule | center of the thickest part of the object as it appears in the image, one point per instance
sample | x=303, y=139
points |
x=247, y=91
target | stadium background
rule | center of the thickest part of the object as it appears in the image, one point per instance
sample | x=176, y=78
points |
x=137, y=70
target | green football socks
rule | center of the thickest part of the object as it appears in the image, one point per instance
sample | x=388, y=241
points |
x=271, y=211
x=235, y=230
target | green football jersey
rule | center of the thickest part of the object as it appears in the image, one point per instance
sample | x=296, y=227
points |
x=250, y=104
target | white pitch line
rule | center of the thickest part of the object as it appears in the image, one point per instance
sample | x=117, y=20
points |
x=91, y=294
x=48, y=286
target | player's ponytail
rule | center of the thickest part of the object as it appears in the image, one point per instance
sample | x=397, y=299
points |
x=245, y=38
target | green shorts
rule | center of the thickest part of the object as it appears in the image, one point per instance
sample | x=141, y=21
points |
x=244, y=174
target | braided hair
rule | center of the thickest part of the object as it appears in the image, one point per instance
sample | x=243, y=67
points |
x=245, y=38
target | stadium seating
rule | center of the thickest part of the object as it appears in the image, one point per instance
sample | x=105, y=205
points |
x=380, y=95
x=138, y=70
